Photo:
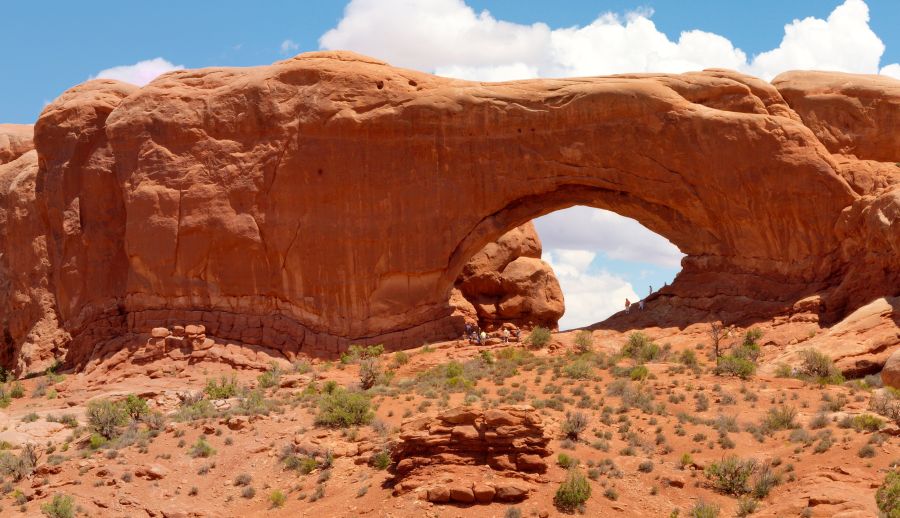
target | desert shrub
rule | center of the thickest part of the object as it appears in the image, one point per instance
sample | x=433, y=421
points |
x=20, y=466
x=135, y=407
x=584, y=341
x=538, y=337
x=381, y=460
x=639, y=373
x=573, y=492
x=579, y=369
x=248, y=492
x=731, y=475
x=784, y=370
x=867, y=423
x=566, y=461
x=369, y=372
x=243, y=479
x=888, y=495
x=747, y=506
x=17, y=390
x=277, y=498
x=513, y=512
x=640, y=347
x=106, y=417
x=886, y=403
x=356, y=353
x=271, y=377
x=201, y=448
x=782, y=417
x=764, y=481
x=62, y=506
x=224, y=388
x=731, y=365
x=688, y=358
x=402, y=358
x=704, y=510
x=646, y=466
x=819, y=367
x=342, y=409
x=192, y=409
x=575, y=423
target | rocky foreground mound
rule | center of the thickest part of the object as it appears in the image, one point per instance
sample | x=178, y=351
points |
x=463, y=454
x=331, y=198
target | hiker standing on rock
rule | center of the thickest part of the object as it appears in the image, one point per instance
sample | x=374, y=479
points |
x=483, y=337
x=505, y=335
x=627, y=305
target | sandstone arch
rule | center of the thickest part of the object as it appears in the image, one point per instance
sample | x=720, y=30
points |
x=332, y=198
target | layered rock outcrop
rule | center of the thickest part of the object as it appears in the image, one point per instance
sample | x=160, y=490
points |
x=509, y=439
x=331, y=199
x=507, y=282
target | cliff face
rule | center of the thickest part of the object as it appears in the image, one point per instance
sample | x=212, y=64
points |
x=332, y=198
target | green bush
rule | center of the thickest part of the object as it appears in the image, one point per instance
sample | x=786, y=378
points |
x=538, y=337
x=277, y=498
x=573, y=492
x=867, y=423
x=781, y=417
x=688, y=358
x=575, y=423
x=888, y=495
x=704, y=510
x=734, y=366
x=106, y=417
x=579, y=369
x=356, y=353
x=135, y=407
x=640, y=347
x=566, y=461
x=784, y=370
x=271, y=377
x=639, y=373
x=62, y=506
x=223, y=389
x=201, y=448
x=17, y=390
x=381, y=460
x=369, y=373
x=819, y=367
x=731, y=475
x=342, y=409
x=584, y=341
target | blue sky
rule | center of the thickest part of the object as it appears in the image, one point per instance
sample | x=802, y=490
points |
x=599, y=257
x=50, y=47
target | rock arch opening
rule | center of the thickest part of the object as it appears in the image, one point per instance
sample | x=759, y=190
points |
x=571, y=268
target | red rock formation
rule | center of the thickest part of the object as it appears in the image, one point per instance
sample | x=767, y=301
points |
x=506, y=282
x=15, y=141
x=331, y=198
x=505, y=439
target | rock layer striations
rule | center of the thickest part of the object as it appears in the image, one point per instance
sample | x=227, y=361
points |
x=332, y=198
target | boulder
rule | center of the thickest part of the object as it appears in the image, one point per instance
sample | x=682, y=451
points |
x=890, y=374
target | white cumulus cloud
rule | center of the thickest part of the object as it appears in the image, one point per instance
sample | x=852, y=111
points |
x=450, y=38
x=892, y=70
x=590, y=297
x=139, y=73
x=618, y=237
x=289, y=46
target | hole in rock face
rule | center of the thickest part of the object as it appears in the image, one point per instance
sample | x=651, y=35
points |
x=570, y=268
x=600, y=259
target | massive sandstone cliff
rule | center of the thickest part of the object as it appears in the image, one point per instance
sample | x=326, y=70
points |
x=332, y=198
